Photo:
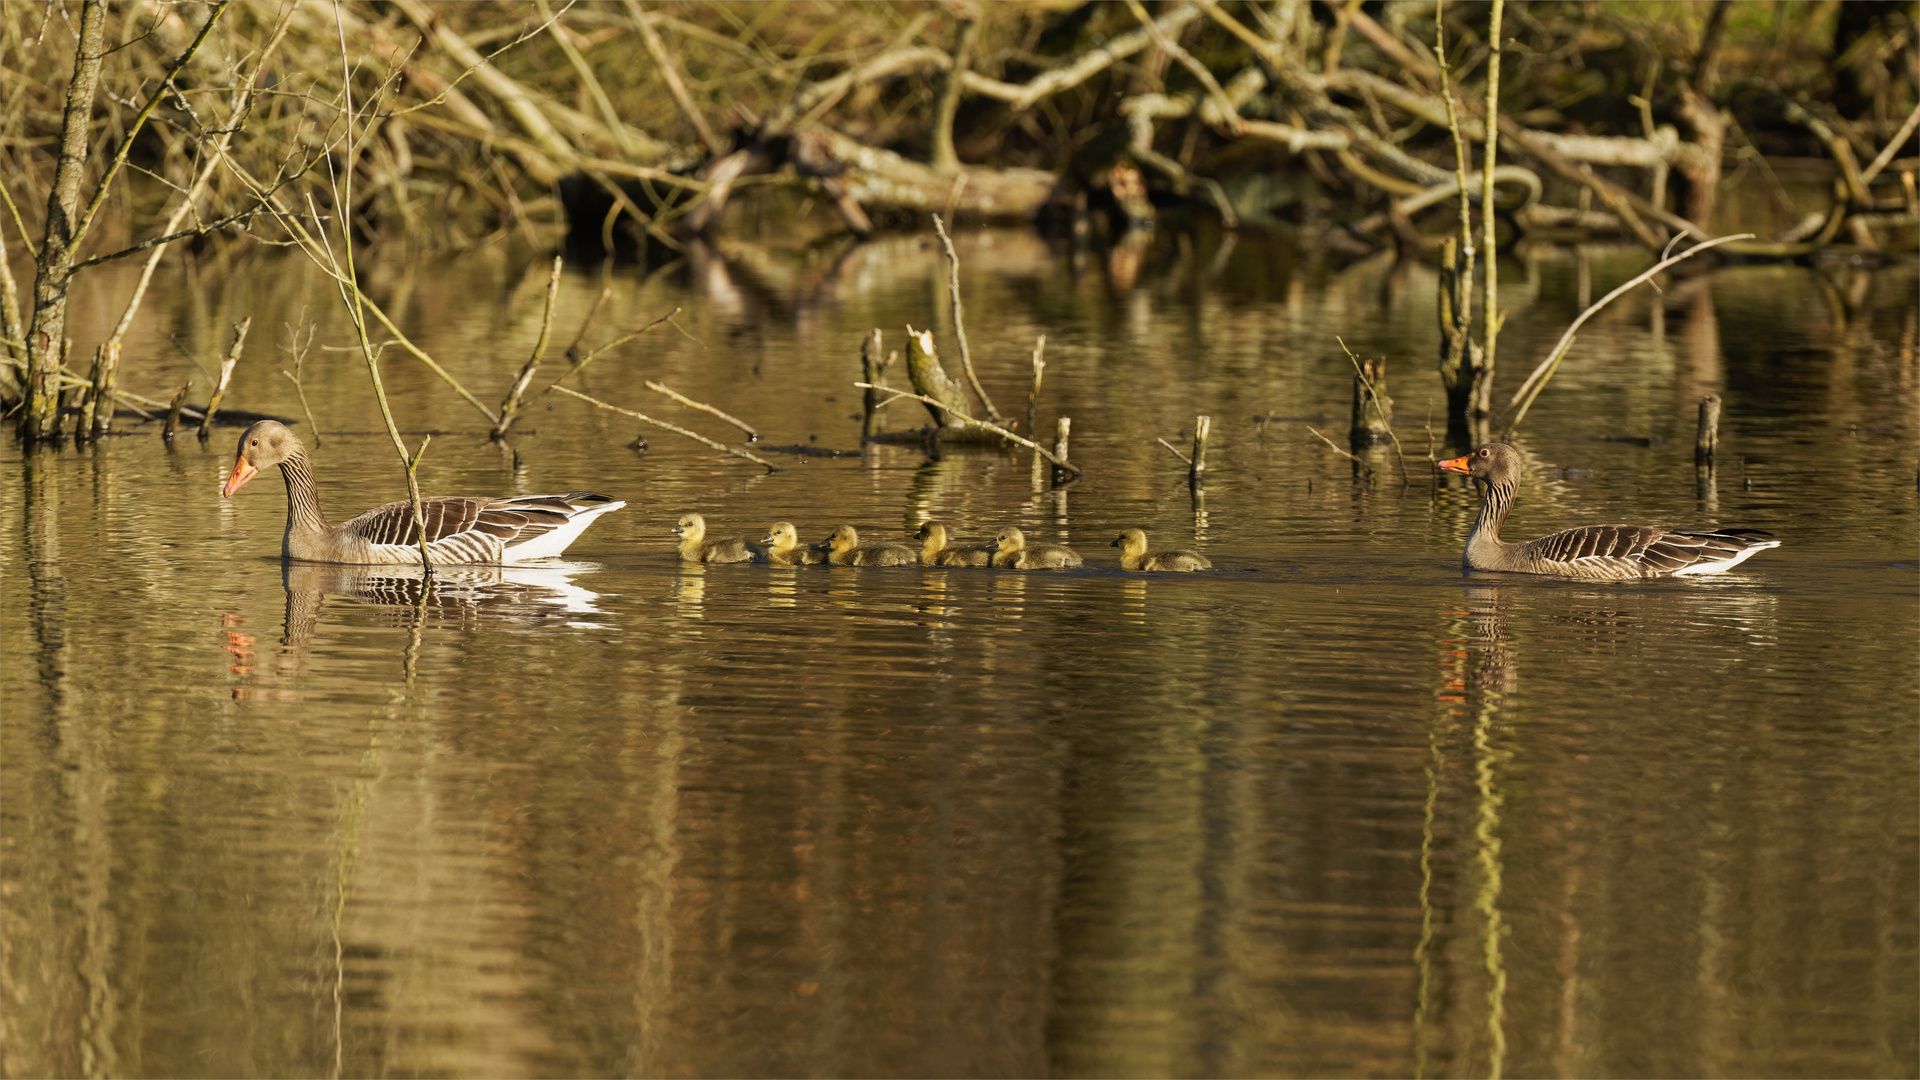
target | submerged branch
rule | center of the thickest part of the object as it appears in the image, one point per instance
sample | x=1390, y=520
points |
x=982, y=425
x=644, y=418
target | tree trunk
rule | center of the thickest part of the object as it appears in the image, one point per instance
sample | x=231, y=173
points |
x=46, y=339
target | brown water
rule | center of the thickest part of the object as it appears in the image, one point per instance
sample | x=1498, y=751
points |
x=1332, y=809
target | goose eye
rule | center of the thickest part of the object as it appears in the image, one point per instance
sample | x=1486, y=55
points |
x=1484, y=452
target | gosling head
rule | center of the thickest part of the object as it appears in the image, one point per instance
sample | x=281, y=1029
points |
x=843, y=538
x=690, y=527
x=934, y=533
x=781, y=535
x=1009, y=539
x=1130, y=542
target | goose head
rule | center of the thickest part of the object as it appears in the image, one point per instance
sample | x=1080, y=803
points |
x=1009, y=539
x=1492, y=463
x=1131, y=542
x=690, y=527
x=267, y=442
x=844, y=538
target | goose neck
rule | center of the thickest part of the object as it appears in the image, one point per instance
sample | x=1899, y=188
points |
x=303, y=499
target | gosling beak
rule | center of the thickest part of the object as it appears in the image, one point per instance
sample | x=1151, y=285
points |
x=1458, y=465
x=242, y=472
x=1116, y=541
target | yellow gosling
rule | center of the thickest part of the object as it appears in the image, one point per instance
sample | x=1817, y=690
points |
x=935, y=550
x=1013, y=551
x=784, y=548
x=695, y=547
x=1135, y=556
x=845, y=549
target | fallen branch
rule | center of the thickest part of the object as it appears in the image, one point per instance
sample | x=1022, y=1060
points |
x=1184, y=459
x=644, y=418
x=752, y=435
x=984, y=426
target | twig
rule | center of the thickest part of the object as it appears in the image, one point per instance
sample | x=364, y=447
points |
x=584, y=71
x=1357, y=461
x=573, y=347
x=1893, y=147
x=1039, y=368
x=722, y=447
x=226, y=373
x=670, y=73
x=129, y=138
x=589, y=358
x=510, y=405
x=1229, y=115
x=1187, y=461
x=959, y=318
x=299, y=350
x=1530, y=389
x=752, y=435
x=1380, y=411
x=983, y=425
x=346, y=275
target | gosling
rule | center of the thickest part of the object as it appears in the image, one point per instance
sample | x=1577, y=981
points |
x=1011, y=551
x=936, y=552
x=695, y=547
x=845, y=549
x=1135, y=556
x=784, y=548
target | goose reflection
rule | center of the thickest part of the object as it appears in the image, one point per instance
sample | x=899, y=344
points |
x=505, y=597
x=462, y=597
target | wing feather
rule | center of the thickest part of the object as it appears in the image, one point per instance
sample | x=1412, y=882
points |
x=465, y=529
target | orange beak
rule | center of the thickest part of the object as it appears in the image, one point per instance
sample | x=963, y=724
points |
x=242, y=472
x=1458, y=464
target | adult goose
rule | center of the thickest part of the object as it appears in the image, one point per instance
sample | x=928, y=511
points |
x=1013, y=551
x=695, y=547
x=845, y=549
x=1135, y=556
x=784, y=548
x=1609, y=552
x=935, y=551
x=459, y=528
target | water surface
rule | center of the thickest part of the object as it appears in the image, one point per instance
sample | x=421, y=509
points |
x=1334, y=808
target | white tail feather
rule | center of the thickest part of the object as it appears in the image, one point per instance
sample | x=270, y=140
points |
x=550, y=544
